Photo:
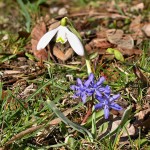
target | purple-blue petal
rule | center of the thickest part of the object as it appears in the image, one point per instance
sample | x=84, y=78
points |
x=78, y=93
x=83, y=97
x=100, y=98
x=115, y=106
x=90, y=80
x=91, y=77
x=114, y=97
x=107, y=97
x=89, y=93
x=107, y=89
x=106, y=111
x=98, y=93
x=98, y=106
x=87, y=83
x=79, y=82
x=75, y=96
x=100, y=81
x=88, y=90
x=74, y=87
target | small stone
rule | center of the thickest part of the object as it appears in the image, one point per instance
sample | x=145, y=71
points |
x=5, y=37
x=53, y=10
x=2, y=4
x=22, y=59
x=62, y=11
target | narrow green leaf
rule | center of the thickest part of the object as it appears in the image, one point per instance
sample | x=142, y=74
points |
x=37, y=91
x=103, y=127
x=125, y=116
x=75, y=126
x=25, y=13
x=7, y=57
x=99, y=114
x=94, y=131
x=93, y=55
x=1, y=89
x=31, y=57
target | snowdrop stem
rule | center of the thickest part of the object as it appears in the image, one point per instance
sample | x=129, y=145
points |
x=88, y=64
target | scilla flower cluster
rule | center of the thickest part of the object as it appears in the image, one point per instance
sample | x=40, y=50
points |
x=100, y=92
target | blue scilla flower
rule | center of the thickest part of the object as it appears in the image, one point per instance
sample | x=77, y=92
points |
x=97, y=87
x=82, y=90
x=107, y=102
x=90, y=87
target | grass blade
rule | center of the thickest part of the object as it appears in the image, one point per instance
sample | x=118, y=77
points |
x=75, y=126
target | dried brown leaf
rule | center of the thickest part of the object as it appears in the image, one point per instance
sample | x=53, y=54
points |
x=137, y=7
x=120, y=39
x=148, y=94
x=130, y=52
x=63, y=55
x=100, y=43
x=114, y=35
x=146, y=29
x=136, y=24
x=143, y=118
x=141, y=76
x=38, y=31
x=141, y=115
x=130, y=128
x=126, y=42
x=135, y=29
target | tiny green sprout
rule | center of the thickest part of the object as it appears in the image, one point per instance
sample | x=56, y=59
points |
x=118, y=55
x=110, y=50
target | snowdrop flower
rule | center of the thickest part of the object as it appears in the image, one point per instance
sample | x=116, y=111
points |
x=63, y=34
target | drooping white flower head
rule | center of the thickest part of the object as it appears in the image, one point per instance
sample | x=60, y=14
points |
x=63, y=34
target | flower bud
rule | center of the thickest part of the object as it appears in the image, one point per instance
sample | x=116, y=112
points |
x=63, y=21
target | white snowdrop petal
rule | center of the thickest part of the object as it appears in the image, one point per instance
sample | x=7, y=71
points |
x=46, y=38
x=61, y=34
x=75, y=43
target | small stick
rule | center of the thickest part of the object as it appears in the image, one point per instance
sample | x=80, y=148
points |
x=89, y=112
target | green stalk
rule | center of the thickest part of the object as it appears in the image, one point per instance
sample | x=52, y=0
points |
x=94, y=123
x=88, y=63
